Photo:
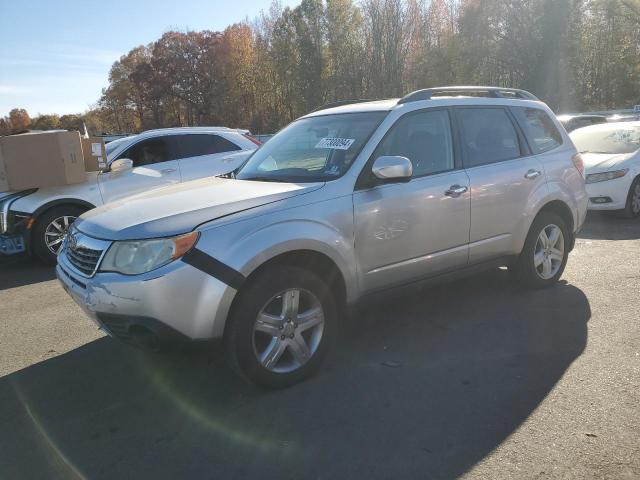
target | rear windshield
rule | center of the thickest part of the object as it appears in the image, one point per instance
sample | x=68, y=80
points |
x=314, y=149
x=614, y=139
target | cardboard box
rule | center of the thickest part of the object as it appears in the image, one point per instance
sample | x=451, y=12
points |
x=95, y=154
x=43, y=159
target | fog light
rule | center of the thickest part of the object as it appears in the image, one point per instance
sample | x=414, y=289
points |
x=601, y=199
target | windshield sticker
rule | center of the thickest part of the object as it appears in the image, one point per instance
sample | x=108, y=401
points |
x=334, y=170
x=335, y=143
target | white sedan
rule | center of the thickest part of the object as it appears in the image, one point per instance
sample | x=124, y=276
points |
x=611, y=155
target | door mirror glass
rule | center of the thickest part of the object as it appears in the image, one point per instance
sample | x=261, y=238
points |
x=121, y=164
x=389, y=168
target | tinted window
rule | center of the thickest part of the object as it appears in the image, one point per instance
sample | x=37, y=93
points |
x=539, y=129
x=424, y=138
x=488, y=136
x=196, y=145
x=148, y=152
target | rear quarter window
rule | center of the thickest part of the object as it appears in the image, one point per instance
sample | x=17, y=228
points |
x=539, y=129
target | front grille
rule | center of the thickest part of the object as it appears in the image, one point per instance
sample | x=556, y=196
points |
x=83, y=252
x=84, y=259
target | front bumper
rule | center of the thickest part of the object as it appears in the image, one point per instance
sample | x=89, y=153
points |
x=176, y=300
x=612, y=193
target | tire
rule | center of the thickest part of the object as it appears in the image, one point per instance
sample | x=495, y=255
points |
x=270, y=353
x=632, y=208
x=528, y=269
x=44, y=228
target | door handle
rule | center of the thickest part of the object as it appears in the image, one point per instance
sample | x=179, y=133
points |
x=456, y=190
x=531, y=174
x=167, y=170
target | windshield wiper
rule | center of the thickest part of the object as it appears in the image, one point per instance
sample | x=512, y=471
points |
x=262, y=179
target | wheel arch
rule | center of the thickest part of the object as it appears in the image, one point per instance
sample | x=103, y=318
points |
x=311, y=259
x=76, y=202
x=563, y=210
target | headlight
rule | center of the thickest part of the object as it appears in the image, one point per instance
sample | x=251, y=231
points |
x=604, y=176
x=141, y=256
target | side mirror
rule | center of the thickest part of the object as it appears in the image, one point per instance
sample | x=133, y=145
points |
x=121, y=165
x=392, y=168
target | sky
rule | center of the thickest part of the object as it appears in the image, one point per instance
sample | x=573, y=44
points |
x=55, y=56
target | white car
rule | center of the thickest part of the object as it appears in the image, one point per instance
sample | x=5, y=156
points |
x=37, y=220
x=611, y=155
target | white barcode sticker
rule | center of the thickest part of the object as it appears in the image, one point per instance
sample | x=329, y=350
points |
x=96, y=149
x=335, y=143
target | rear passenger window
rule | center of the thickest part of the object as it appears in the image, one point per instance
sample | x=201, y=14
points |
x=539, y=129
x=424, y=138
x=488, y=136
x=197, y=145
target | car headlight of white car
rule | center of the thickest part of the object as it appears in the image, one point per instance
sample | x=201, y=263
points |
x=604, y=176
x=141, y=256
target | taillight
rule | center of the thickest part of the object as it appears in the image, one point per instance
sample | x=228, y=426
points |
x=578, y=163
x=252, y=139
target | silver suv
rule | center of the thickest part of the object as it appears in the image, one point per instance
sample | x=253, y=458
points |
x=341, y=205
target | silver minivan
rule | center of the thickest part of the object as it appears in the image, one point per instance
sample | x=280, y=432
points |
x=344, y=204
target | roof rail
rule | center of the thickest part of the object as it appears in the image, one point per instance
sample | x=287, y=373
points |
x=493, y=92
x=339, y=104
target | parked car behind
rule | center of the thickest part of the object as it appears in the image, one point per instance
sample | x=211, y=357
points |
x=571, y=122
x=37, y=220
x=611, y=155
x=341, y=206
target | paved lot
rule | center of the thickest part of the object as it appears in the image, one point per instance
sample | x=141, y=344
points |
x=474, y=379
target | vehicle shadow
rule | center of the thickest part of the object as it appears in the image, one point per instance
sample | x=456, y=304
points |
x=609, y=226
x=21, y=270
x=422, y=387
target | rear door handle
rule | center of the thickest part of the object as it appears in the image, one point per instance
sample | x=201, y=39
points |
x=456, y=190
x=531, y=174
x=166, y=171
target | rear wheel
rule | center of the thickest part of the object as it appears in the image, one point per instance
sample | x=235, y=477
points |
x=545, y=252
x=632, y=208
x=282, y=327
x=50, y=231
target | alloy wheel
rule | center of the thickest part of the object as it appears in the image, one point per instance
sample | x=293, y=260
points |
x=288, y=330
x=635, y=199
x=56, y=232
x=549, y=252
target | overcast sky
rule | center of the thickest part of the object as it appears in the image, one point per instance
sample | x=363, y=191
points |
x=56, y=59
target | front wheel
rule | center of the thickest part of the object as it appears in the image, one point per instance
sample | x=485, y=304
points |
x=50, y=230
x=545, y=252
x=632, y=208
x=282, y=327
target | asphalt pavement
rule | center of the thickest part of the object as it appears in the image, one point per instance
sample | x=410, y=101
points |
x=474, y=379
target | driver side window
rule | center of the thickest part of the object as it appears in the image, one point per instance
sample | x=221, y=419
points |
x=423, y=137
x=148, y=152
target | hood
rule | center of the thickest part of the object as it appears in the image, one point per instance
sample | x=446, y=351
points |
x=180, y=208
x=597, y=162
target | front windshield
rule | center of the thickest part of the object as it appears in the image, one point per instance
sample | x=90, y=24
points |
x=613, y=139
x=314, y=149
x=111, y=146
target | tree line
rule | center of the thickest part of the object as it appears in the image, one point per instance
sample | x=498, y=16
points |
x=576, y=55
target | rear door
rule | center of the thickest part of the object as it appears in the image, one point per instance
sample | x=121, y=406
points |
x=206, y=155
x=154, y=166
x=504, y=176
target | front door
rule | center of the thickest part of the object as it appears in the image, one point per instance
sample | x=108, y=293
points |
x=408, y=231
x=154, y=166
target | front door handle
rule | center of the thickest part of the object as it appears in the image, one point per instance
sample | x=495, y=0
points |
x=167, y=171
x=531, y=174
x=456, y=190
